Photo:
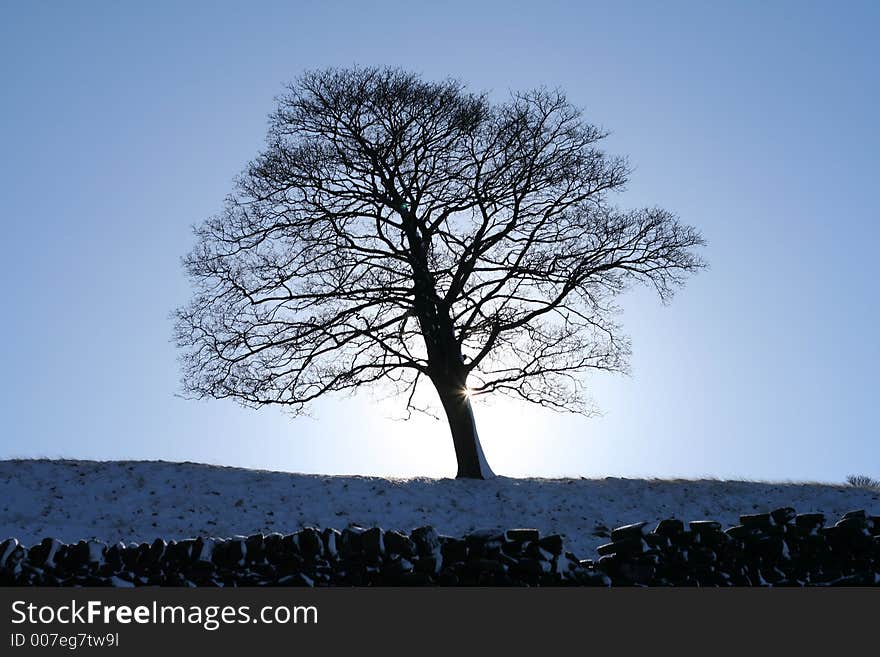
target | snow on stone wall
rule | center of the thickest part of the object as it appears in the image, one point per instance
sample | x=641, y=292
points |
x=779, y=548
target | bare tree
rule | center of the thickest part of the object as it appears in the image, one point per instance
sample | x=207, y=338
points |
x=398, y=230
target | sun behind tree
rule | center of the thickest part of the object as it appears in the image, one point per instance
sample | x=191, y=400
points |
x=397, y=231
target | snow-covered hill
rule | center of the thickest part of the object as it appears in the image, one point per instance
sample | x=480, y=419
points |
x=140, y=501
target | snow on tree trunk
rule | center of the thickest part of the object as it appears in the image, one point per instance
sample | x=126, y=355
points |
x=485, y=470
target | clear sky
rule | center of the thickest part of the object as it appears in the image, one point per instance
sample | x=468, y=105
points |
x=122, y=124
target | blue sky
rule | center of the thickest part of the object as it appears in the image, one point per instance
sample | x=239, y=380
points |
x=122, y=124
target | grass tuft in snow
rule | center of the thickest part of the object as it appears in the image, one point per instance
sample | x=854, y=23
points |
x=863, y=481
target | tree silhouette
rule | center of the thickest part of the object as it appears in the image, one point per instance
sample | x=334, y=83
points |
x=399, y=230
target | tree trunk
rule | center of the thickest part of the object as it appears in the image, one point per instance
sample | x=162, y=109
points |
x=472, y=462
x=444, y=354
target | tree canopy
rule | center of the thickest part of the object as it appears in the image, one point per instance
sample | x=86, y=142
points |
x=398, y=230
